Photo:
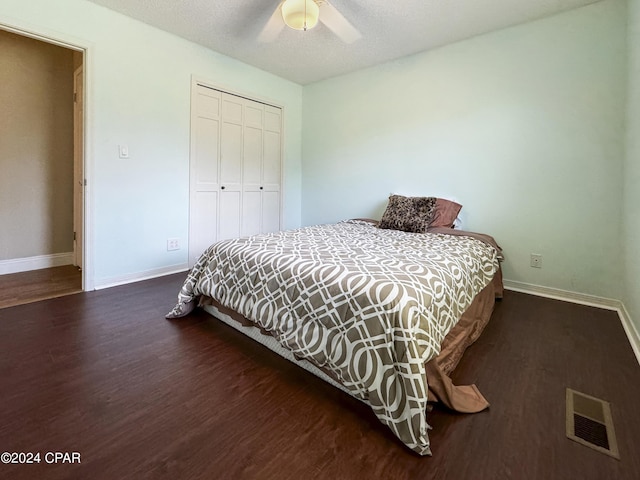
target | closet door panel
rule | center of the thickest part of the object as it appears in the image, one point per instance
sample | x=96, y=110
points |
x=270, y=211
x=254, y=114
x=272, y=169
x=208, y=103
x=272, y=119
x=204, y=210
x=232, y=108
x=252, y=161
x=204, y=213
x=272, y=160
x=231, y=148
x=251, y=211
x=203, y=170
x=231, y=154
x=205, y=154
x=229, y=214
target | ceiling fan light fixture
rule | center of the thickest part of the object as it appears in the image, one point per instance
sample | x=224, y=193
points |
x=300, y=14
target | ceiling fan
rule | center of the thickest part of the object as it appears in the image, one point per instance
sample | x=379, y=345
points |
x=304, y=15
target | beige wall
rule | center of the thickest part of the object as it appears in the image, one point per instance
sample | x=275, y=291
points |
x=36, y=148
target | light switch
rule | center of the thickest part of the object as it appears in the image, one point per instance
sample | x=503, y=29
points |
x=123, y=151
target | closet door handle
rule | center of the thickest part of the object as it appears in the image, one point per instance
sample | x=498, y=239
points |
x=222, y=187
x=261, y=188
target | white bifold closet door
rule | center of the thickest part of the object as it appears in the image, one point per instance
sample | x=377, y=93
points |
x=261, y=169
x=235, y=169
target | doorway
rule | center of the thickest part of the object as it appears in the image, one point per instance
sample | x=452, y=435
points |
x=42, y=185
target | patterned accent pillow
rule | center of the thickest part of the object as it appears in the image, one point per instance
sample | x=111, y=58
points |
x=409, y=214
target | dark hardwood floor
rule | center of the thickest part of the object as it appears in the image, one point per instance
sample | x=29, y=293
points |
x=36, y=285
x=105, y=375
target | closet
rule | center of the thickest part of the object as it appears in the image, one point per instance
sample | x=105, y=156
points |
x=235, y=168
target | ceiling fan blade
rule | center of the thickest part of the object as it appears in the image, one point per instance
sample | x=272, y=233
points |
x=336, y=22
x=273, y=27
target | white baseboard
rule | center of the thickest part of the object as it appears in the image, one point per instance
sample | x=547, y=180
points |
x=17, y=265
x=565, y=295
x=630, y=329
x=583, y=299
x=139, y=276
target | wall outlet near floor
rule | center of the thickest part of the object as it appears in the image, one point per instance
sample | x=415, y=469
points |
x=536, y=260
x=173, y=244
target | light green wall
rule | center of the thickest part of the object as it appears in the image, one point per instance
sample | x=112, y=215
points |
x=632, y=171
x=524, y=127
x=140, y=80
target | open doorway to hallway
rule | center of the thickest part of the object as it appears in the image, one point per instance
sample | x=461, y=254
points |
x=41, y=169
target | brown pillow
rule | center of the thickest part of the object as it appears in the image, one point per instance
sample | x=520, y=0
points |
x=445, y=213
x=409, y=214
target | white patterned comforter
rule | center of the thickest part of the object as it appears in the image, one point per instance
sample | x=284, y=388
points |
x=372, y=306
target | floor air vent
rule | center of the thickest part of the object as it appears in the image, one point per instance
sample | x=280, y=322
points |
x=589, y=422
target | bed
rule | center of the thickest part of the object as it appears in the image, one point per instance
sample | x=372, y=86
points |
x=374, y=311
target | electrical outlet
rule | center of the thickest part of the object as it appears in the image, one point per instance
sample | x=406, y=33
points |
x=536, y=260
x=173, y=244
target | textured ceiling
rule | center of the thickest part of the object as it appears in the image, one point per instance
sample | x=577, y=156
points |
x=390, y=29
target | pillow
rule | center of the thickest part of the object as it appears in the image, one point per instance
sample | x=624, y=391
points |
x=445, y=213
x=409, y=214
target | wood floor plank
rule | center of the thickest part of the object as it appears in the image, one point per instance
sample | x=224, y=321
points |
x=37, y=285
x=104, y=374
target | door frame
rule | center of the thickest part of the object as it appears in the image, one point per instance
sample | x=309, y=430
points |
x=86, y=48
x=78, y=164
